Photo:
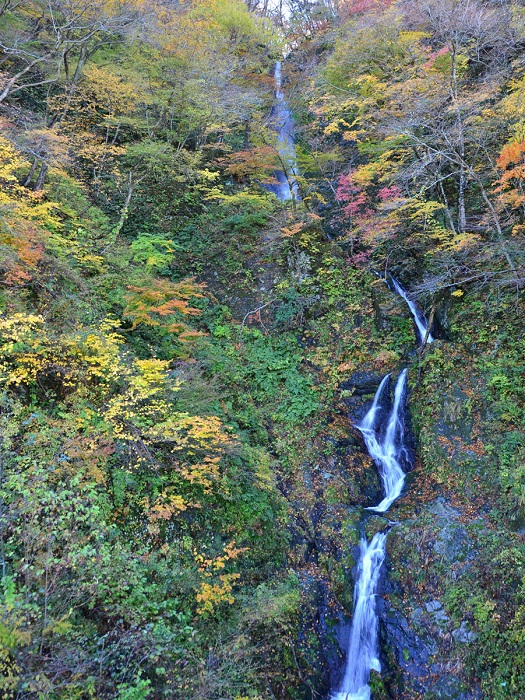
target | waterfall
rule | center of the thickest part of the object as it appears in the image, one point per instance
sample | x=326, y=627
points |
x=363, y=646
x=384, y=434
x=419, y=317
x=286, y=186
x=383, y=430
x=387, y=448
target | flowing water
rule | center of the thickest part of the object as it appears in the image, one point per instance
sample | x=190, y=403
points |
x=383, y=429
x=419, y=317
x=363, y=646
x=282, y=119
x=387, y=447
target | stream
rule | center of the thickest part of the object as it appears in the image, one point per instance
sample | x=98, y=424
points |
x=385, y=437
x=384, y=432
x=419, y=317
x=282, y=122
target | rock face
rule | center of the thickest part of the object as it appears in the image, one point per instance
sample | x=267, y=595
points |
x=327, y=511
x=358, y=393
x=318, y=617
x=387, y=306
x=420, y=640
x=441, y=326
x=408, y=652
x=362, y=383
x=349, y=464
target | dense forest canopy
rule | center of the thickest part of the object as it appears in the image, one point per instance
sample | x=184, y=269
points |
x=183, y=355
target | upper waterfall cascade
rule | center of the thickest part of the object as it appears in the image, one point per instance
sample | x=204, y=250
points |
x=286, y=187
x=385, y=435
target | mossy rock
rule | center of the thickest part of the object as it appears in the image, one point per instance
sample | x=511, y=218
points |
x=375, y=524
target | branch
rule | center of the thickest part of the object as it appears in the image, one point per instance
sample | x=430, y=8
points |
x=257, y=310
x=10, y=83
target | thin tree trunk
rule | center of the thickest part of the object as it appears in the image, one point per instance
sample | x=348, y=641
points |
x=462, y=217
x=447, y=209
x=497, y=224
x=125, y=208
x=32, y=171
x=39, y=184
x=71, y=87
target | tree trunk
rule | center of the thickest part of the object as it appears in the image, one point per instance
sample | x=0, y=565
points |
x=39, y=184
x=32, y=171
x=125, y=208
x=462, y=217
x=447, y=209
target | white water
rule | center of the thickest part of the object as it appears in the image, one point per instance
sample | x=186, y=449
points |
x=384, y=435
x=419, y=316
x=363, y=646
x=286, y=186
x=387, y=450
x=386, y=446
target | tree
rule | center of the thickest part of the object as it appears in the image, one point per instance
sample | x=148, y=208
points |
x=49, y=43
x=471, y=33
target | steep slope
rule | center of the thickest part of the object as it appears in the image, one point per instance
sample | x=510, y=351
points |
x=184, y=357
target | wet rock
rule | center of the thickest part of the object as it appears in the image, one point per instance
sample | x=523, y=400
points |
x=362, y=383
x=370, y=483
x=452, y=541
x=441, y=327
x=380, y=314
x=416, y=615
x=412, y=652
x=375, y=524
x=324, y=658
x=450, y=688
x=378, y=687
x=352, y=440
x=352, y=477
x=441, y=509
x=456, y=438
x=438, y=535
x=463, y=634
x=413, y=648
x=342, y=633
x=435, y=608
x=387, y=305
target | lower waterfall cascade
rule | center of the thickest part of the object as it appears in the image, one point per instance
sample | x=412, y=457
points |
x=383, y=430
x=363, y=653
